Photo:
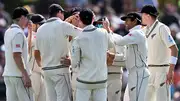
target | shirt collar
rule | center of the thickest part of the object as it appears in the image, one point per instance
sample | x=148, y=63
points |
x=16, y=26
x=136, y=27
x=152, y=24
x=53, y=19
x=88, y=27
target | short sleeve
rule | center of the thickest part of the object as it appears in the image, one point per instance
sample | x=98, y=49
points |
x=18, y=42
x=166, y=36
x=70, y=30
x=110, y=41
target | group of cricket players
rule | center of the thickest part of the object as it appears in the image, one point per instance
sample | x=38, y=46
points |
x=73, y=59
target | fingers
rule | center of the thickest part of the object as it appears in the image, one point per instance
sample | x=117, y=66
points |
x=65, y=61
x=27, y=82
x=169, y=79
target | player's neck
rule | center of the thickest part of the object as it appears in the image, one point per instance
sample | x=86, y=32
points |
x=151, y=22
x=18, y=23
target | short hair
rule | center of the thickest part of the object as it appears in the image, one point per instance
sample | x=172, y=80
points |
x=18, y=12
x=54, y=9
x=86, y=16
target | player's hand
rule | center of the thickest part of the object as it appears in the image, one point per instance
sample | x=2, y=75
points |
x=110, y=58
x=170, y=76
x=74, y=19
x=30, y=26
x=106, y=25
x=26, y=80
x=65, y=61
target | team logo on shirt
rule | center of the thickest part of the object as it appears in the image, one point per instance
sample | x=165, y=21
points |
x=170, y=39
x=152, y=36
x=73, y=50
x=130, y=34
x=18, y=45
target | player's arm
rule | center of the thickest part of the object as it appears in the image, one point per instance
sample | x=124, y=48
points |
x=130, y=38
x=17, y=44
x=174, y=55
x=29, y=37
x=70, y=30
x=37, y=53
x=37, y=57
x=75, y=54
x=111, y=50
x=121, y=55
x=170, y=43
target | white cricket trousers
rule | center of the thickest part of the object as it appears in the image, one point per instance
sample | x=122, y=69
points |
x=158, y=90
x=126, y=94
x=114, y=87
x=73, y=84
x=138, y=83
x=58, y=86
x=38, y=86
x=15, y=90
x=97, y=94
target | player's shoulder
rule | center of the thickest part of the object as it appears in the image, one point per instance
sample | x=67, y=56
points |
x=163, y=26
x=101, y=30
x=137, y=33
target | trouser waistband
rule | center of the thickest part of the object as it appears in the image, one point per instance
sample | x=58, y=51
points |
x=55, y=67
x=164, y=65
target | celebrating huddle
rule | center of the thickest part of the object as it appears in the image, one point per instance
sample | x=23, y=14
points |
x=79, y=59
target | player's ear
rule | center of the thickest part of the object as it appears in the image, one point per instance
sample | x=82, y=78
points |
x=135, y=22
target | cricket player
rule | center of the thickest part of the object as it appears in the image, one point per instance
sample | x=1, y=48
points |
x=89, y=53
x=36, y=76
x=162, y=55
x=136, y=62
x=16, y=74
x=75, y=22
x=115, y=73
x=115, y=70
x=51, y=46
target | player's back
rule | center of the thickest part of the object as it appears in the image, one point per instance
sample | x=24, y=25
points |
x=93, y=46
x=51, y=42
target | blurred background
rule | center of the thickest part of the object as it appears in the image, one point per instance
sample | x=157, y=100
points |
x=113, y=9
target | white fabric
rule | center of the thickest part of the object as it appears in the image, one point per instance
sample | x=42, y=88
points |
x=173, y=60
x=114, y=87
x=15, y=90
x=95, y=94
x=138, y=83
x=126, y=94
x=38, y=86
x=89, y=51
x=136, y=62
x=51, y=41
x=159, y=42
x=15, y=41
x=159, y=53
x=136, y=54
x=120, y=55
x=32, y=64
x=58, y=86
x=115, y=80
x=158, y=90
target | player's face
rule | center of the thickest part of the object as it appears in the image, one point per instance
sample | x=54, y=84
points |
x=129, y=24
x=60, y=15
x=24, y=21
x=144, y=18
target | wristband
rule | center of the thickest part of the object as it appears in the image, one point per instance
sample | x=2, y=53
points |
x=173, y=60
